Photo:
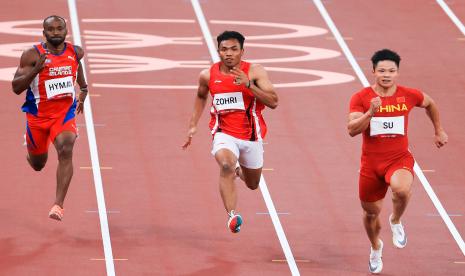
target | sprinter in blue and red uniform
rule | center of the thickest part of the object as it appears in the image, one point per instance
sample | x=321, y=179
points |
x=48, y=72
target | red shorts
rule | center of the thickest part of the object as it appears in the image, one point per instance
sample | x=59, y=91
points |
x=376, y=171
x=40, y=132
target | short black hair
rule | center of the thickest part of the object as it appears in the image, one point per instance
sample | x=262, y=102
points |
x=385, y=54
x=57, y=17
x=226, y=35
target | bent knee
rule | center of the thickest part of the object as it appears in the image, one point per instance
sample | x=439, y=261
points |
x=36, y=163
x=37, y=166
x=371, y=215
x=227, y=168
x=402, y=194
x=65, y=152
x=253, y=185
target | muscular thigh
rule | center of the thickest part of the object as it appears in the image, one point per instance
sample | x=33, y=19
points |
x=65, y=126
x=371, y=187
x=38, y=135
x=372, y=208
x=251, y=175
x=222, y=142
x=399, y=173
x=251, y=155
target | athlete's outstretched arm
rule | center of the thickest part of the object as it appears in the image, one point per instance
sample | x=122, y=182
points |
x=81, y=80
x=261, y=86
x=440, y=136
x=359, y=121
x=30, y=64
x=199, y=105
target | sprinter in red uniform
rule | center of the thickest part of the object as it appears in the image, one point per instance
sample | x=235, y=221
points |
x=380, y=112
x=240, y=91
x=48, y=71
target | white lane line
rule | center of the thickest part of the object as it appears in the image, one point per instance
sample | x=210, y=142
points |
x=205, y=30
x=341, y=42
x=438, y=215
x=110, y=266
x=278, y=213
x=263, y=187
x=440, y=208
x=108, y=212
x=417, y=169
x=452, y=16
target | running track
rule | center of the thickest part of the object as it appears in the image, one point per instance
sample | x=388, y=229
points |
x=164, y=213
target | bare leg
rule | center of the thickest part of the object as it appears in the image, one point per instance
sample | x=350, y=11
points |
x=64, y=144
x=401, y=186
x=38, y=161
x=371, y=221
x=251, y=177
x=227, y=162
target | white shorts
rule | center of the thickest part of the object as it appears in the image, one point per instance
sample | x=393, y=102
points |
x=248, y=153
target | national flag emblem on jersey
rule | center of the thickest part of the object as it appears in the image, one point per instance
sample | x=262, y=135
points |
x=401, y=99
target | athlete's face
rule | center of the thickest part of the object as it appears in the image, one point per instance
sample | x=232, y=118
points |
x=55, y=31
x=386, y=73
x=230, y=52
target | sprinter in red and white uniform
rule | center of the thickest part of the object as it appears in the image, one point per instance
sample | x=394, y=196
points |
x=380, y=112
x=240, y=91
x=48, y=72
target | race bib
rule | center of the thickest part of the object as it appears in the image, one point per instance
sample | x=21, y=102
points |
x=59, y=86
x=228, y=101
x=387, y=125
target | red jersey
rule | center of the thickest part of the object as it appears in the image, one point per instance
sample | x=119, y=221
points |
x=52, y=91
x=387, y=131
x=235, y=110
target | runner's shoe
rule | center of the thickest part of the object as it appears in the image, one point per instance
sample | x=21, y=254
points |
x=399, y=238
x=234, y=222
x=56, y=212
x=375, y=265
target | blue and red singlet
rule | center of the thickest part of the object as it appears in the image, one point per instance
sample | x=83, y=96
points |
x=50, y=99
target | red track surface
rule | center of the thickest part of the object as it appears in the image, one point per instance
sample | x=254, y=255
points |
x=168, y=216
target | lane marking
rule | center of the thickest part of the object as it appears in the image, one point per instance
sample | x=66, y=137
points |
x=90, y=168
x=263, y=187
x=459, y=262
x=297, y=261
x=267, y=169
x=345, y=38
x=323, y=78
x=429, y=170
x=297, y=31
x=136, y=20
x=108, y=212
x=110, y=266
x=267, y=213
x=95, y=259
x=450, y=215
x=452, y=16
x=95, y=95
x=429, y=190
